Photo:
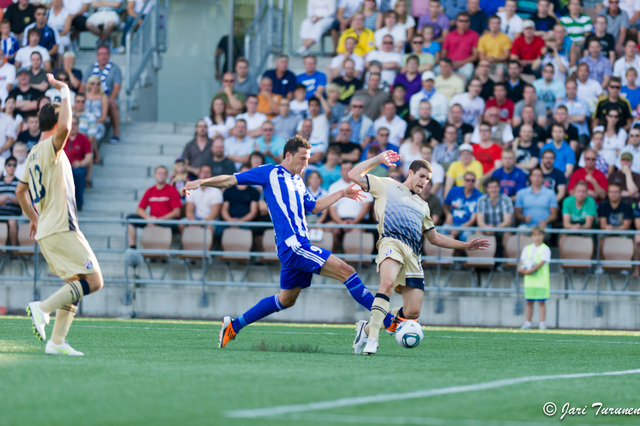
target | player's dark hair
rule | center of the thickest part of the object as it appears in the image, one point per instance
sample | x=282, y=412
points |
x=547, y=151
x=294, y=144
x=48, y=116
x=420, y=164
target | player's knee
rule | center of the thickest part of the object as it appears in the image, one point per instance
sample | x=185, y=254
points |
x=386, y=285
x=95, y=282
x=288, y=302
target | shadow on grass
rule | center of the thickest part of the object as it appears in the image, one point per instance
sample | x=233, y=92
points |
x=282, y=347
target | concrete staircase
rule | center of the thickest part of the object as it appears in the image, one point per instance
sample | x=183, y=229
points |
x=119, y=184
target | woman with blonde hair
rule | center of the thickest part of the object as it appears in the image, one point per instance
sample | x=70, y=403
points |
x=97, y=104
x=404, y=18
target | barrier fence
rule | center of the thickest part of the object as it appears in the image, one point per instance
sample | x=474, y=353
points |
x=437, y=263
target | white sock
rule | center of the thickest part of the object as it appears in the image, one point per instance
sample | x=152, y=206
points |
x=527, y=323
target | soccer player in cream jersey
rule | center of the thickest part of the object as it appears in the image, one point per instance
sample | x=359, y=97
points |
x=288, y=201
x=403, y=216
x=48, y=182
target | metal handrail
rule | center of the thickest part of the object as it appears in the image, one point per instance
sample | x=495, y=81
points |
x=264, y=36
x=146, y=43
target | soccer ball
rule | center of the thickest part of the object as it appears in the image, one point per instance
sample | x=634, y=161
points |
x=409, y=334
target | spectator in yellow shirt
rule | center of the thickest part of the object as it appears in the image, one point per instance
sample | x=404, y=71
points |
x=364, y=37
x=457, y=169
x=495, y=47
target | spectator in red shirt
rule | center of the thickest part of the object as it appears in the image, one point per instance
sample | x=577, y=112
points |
x=80, y=153
x=528, y=48
x=500, y=100
x=460, y=46
x=163, y=201
x=596, y=180
x=487, y=152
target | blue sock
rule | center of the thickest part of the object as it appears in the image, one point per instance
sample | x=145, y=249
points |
x=358, y=291
x=263, y=308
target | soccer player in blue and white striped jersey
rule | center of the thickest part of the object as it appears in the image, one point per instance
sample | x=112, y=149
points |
x=288, y=201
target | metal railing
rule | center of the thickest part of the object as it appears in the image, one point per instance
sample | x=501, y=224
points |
x=265, y=36
x=145, y=44
x=434, y=285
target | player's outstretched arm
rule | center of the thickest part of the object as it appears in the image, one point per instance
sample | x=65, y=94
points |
x=64, y=116
x=350, y=192
x=446, y=242
x=222, y=181
x=358, y=173
x=22, y=192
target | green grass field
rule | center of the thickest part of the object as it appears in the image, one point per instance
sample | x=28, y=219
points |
x=172, y=373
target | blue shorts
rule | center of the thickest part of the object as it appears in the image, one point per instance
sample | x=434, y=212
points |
x=299, y=263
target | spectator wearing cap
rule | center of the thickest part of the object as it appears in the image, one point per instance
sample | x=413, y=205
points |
x=438, y=101
x=461, y=46
x=527, y=48
x=633, y=148
x=457, y=169
x=28, y=96
x=628, y=180
x=447, y=82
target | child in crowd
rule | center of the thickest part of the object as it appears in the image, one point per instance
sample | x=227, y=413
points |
x=631, y=91
x=429, y=45
x=180, y=176
x=330, y=170
x=299, y=105
x=314, y=186
x=8, y=42
x=534, y=266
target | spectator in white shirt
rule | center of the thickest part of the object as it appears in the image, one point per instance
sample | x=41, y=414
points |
x=389, y=119
x=631, y=59
x=394, y=29
x=471, y=102
x=320, y=17
x=336, y=67
x=204, y=203
x=252, y=118
x=389, y=59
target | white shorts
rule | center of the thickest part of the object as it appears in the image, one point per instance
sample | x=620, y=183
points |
x=315, y=31
x=104, y=17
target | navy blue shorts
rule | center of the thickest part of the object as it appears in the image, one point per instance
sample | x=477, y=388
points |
x=299, y=263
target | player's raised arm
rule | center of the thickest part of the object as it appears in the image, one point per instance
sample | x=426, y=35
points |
x=222, y=181
x=445, y=242
x=64, y=115
x=358, y=173
x=350, y=191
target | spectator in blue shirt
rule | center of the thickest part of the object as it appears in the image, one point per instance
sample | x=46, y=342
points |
x=512, y=179
x=631, y=91
x=565, y=156
x=548, y=89
x=284, y=81
x=536, y=205
x=461, y=206
x=315, y=81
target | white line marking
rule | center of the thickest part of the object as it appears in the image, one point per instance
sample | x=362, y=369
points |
x=426, y=393
x=428, y=421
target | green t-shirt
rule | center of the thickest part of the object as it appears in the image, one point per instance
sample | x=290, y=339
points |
x=579, y=215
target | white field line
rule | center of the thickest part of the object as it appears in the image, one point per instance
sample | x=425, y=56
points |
x=426, y=393
x=427, y=421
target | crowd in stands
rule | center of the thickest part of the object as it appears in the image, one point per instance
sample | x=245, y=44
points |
x=528, y=112
x=37, y=38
